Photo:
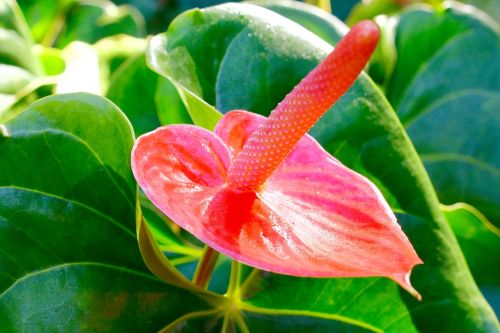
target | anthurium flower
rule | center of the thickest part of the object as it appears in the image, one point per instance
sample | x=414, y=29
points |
x=265, y=193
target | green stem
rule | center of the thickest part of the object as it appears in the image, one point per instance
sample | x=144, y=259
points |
x=234, y=279
x=205, y=267
x=188, y=251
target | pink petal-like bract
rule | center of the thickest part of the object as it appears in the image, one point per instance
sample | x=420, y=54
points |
x=265, y=193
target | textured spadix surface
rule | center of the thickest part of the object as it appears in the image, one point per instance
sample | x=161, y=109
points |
x=266, y=194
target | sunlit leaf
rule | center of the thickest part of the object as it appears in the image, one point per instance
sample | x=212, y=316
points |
x=68, y=197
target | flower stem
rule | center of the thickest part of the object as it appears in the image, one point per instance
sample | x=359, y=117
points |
x=205, y=267
x=234, y=279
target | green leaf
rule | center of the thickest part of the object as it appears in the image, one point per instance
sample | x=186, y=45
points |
x=69, y=259
x=446, y=91
x=480, y=242
x=283, y=321
x=317, y=301
x=245, y=57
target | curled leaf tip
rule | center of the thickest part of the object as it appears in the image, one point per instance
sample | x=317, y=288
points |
x=403, y=279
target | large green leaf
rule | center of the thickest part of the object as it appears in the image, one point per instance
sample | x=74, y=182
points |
x=69, y=254
x=446, y=90
x=246, y=57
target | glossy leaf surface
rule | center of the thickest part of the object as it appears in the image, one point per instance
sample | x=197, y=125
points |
x=79, y=267
x=361, y=130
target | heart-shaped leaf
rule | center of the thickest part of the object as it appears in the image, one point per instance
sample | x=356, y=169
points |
x=68, y=196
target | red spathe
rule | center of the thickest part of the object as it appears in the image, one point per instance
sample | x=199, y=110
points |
x=265, y=193
x=313, y=217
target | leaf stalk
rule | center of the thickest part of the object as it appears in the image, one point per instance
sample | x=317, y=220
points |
x=205, y=267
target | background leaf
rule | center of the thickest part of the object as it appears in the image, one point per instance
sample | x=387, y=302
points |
x=446, y=91
x=90, y=21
